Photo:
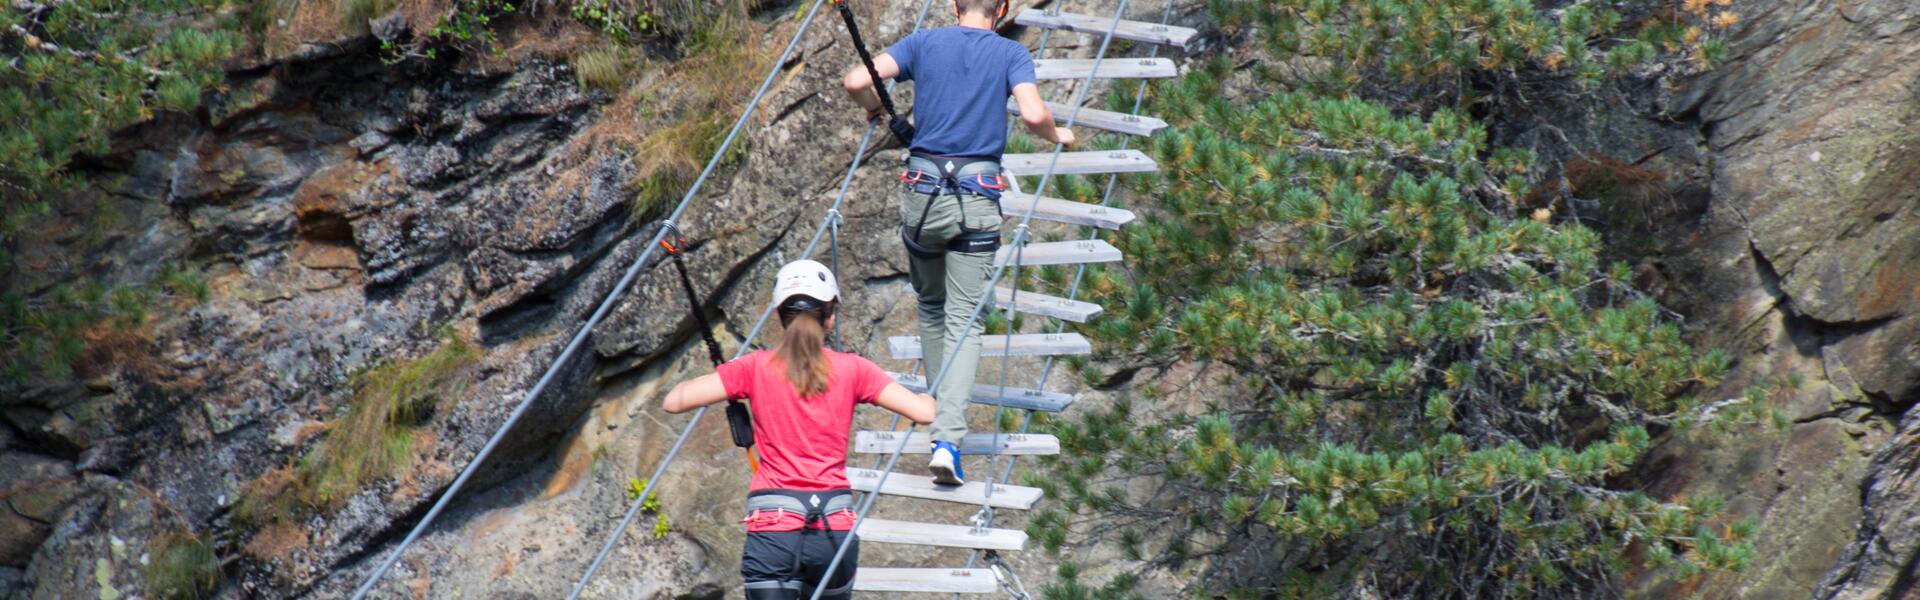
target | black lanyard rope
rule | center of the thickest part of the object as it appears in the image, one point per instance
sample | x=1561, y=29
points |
x=901, y=128
x=739, y=421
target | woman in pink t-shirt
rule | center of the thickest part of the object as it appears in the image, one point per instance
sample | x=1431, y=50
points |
x=799, y=507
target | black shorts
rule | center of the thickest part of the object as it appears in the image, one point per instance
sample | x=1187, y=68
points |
x=795, y=561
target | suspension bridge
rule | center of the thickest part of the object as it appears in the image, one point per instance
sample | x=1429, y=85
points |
x=984, y=572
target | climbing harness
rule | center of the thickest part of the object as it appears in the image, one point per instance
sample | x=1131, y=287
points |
x=901, y=127
x=1009, y=581
x=957, y=176
x=782, y=531
x=819, y=234
x=739, y=421
x=787, y=510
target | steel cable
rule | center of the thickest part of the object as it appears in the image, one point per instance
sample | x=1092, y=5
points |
x=827, y=224
x=1019, y=239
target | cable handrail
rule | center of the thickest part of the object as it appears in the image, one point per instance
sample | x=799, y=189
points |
x=579, y=339
x=1020, y=235
x=829, y=223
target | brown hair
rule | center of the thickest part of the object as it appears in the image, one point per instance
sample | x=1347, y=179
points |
x=990, y=7
x=802, y=348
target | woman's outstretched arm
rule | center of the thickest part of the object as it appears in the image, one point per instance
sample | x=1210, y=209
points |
x=695, y=393
x=897, y=398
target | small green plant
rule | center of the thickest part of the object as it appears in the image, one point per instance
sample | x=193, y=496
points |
x=375, y=438
x=618, y=20
x=183, y=282
x=470, y=22
x=661, y=527
x=182, y=566
x=635, y=487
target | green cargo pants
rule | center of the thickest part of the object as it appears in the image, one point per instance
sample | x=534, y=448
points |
x=950, y=287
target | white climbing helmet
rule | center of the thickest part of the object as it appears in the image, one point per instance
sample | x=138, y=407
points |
x=805, y=278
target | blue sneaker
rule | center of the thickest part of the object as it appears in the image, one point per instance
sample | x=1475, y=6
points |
x=945, y=464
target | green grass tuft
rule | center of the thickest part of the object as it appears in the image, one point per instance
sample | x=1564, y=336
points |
x=603, y=68
x=375, y=439
x=181, y=566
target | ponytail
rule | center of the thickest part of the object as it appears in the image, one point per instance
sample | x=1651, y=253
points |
x=802, y=348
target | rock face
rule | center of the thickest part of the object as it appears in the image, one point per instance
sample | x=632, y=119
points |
x=347, y=212
x=350, y=214
x=1801, y=259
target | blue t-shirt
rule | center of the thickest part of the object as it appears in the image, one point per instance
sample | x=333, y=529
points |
x=962, y=77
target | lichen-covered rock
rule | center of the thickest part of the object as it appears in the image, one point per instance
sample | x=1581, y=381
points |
x=1802, y=264
x=348, y=213
x=1885, y=552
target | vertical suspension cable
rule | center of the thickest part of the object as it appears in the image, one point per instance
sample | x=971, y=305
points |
x=1046, y=35
x=1019, y=239
x=746, y=344
x=1073, y=289
x=579, y=339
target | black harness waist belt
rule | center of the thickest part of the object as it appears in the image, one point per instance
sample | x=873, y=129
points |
x=936, y=175
x=815, y=509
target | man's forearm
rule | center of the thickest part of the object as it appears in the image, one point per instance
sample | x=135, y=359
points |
x=868, y=99
x=1043, y=128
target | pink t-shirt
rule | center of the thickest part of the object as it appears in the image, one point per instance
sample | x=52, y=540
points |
x=802, y=441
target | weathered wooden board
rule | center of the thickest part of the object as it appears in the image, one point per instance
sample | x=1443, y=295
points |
x=1110, y=68
x=907, y=347
x=1065, y=211
x=1091, y=162
x=1117, y=122
x=986, y=393
x=974, y=444
x=945, y=581
x=1062, y=253
x=1045, y=305
x=934, y=534
x=1138, y=31
x=920, y=486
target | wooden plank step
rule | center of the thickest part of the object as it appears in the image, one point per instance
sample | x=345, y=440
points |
x=1017, y=497
x=1139, y=31
x=1045, y=305
x=1065, y=211
x=934, y=534
x=974, y=444
x=1117, y=122
x=1090, y=162
x=1072, y=252
x=907, y=347
x=987, y=393
x=1111, y=68
x=945, y=581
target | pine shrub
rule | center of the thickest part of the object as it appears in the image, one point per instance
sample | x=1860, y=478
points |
x=1424, y=389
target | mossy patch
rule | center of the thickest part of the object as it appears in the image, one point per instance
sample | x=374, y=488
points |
x=181, y=565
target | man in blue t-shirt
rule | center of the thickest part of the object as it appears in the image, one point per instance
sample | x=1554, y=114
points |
x=949, y=204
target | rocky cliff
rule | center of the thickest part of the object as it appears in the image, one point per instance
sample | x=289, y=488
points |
x=346, y=212
x=1782, y=190
x=351, y=214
